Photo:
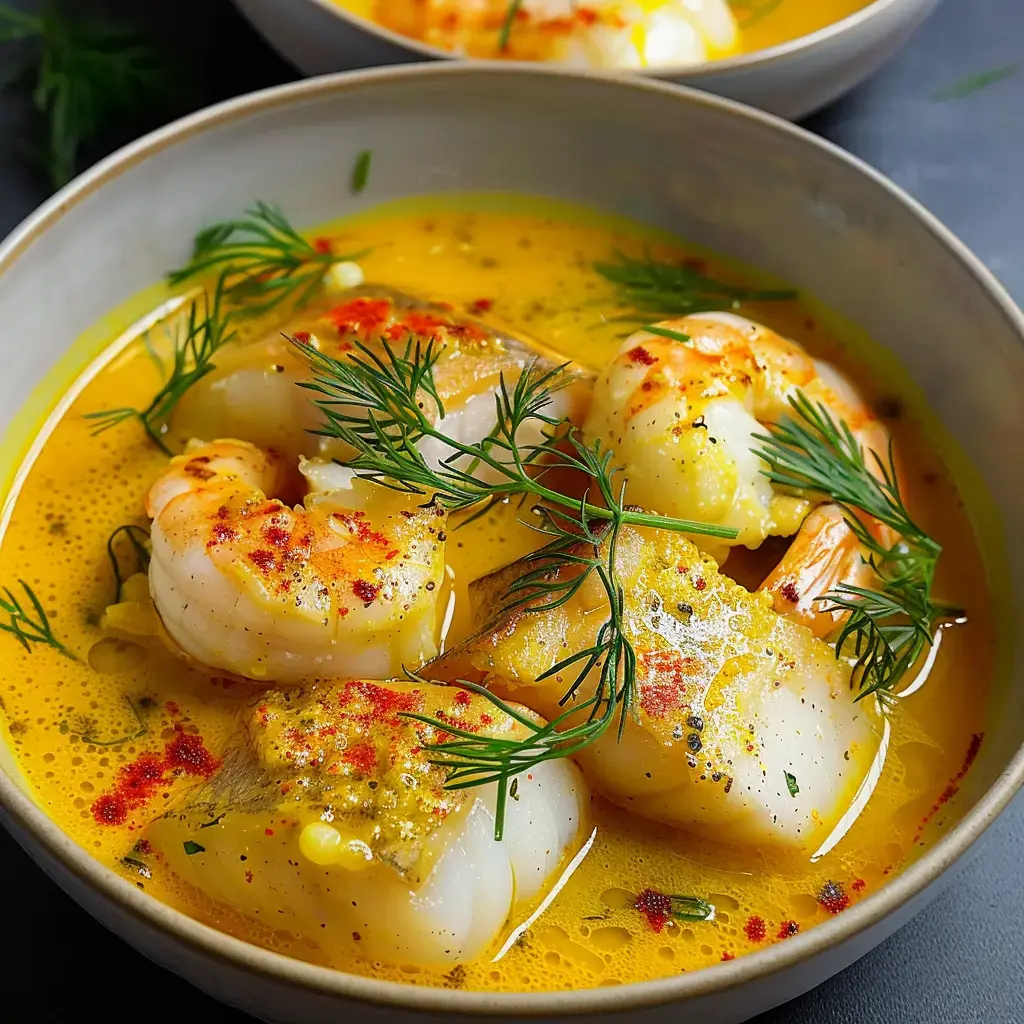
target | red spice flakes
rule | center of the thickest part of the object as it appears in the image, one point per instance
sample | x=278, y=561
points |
x=220, y=534
x=859, y=885
x=248, y=877
x=144, y=847
x=463, y=697
x=361, y=758
x=360, y=316
x=187, y=753
x=322, y=245
x=268, y=831
x=954, y=784
x=788, y=929
x=276, y=535
x=342, y=612
x=726, y=956
x=482, y=305
x=263, y=560
x=755, y=928
x=417, y=323
x=171, y=707
x=789, y=592
x=357, y=525
x=833, y=897
x=655, y=906
x=366, y=592
x=385, y=704
x=642, y=356
x=138, y=782
x=486, y=719
x=665, y=674
x=302, y=337
x=700, y=583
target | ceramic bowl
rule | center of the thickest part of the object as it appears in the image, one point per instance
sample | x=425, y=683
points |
x=756, y=189
x=792, y=80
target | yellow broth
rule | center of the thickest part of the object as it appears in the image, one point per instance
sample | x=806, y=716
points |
x=72, y=727
x=761, y=24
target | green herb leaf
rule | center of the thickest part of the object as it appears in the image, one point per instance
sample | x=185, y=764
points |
x=975, y=83
x=511, y=13
x=374, y=401
x=648, y=287
x=191, y=848
x=139, y=730
x=29, y=625
x=690, y=908
x=665, y=332
x=361, y=171
x=87, y=74
x=791, y=784
x=887, y=630
x=204, y=333
x=138, y=553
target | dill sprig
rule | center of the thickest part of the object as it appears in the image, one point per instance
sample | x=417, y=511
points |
x=383, y=405
x=888, y=629
x=206, y=330
x=511, y=13
x=84, y=74
x=138, y=544
x=262, y=260
x=25, y=628
x=651, y=289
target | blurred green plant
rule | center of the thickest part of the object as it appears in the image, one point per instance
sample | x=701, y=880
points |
x=86, y=74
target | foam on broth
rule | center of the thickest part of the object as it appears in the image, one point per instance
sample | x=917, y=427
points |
x=72, y=727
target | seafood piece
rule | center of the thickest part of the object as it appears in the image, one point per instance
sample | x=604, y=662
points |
x=603, y=34
x=252, y=394
x=328, y=820
x=682, y=416
x=351, y=582
x=744, y=725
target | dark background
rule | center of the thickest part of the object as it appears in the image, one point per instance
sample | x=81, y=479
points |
x=962, y=959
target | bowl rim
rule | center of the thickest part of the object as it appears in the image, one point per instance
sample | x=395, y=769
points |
x=151, y=913
x=740, y=62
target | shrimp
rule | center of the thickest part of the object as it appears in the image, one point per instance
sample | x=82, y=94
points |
x=605, y=33
x=247, y=584
x=328, y=820
x=743, y=726
x=682, y=418
x=254, y=394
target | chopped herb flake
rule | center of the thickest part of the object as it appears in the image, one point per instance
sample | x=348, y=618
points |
x=361, y=172
x=791, y=784
x=192, y=848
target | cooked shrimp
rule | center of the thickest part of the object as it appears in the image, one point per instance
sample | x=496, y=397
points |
x=744, y=725
x=252, y=586
x=604, y=33
x=682, y=417
x=254, y=394
x=330, y=822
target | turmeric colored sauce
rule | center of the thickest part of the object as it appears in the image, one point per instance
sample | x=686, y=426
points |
x=111, y=740
x=475, y=30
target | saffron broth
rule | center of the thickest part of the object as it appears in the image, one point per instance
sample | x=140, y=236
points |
x=761, y=24
x=76, y=725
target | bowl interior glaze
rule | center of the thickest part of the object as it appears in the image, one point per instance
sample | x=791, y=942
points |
x=736, y=181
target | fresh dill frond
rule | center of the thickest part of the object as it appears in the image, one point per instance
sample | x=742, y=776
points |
x=262, y=261
x=382, y=404
x=137, y=542
x=84, y=74
x=206, y=330
x=29, y=625
x=886, y=630
x=511, y=13
x=648, y=289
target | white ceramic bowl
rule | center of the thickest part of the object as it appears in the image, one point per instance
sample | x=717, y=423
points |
x=756, y=188
x=792, y=80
